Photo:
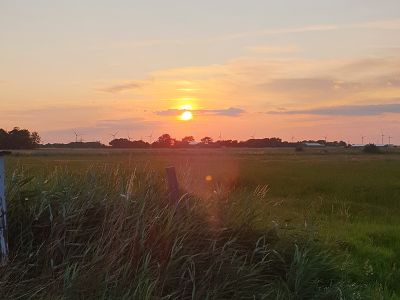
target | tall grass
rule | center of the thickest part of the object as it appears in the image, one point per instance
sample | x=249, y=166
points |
x=110, y=233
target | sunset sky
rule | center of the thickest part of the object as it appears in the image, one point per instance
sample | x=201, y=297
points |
x=303, y=69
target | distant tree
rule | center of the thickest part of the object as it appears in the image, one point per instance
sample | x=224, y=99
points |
x=226, y=143
x=206, y=140
x=35, y=138
x=84, y=145
x=188, y=139
x=125, y=143
x=18, y=139
x=262, y=143
x=371, y=149
x=120, y=143
x=164, y=141
x=3, y=139
x=184, y=143
x=140, y=144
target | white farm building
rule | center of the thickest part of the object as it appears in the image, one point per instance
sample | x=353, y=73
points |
x=314, y=145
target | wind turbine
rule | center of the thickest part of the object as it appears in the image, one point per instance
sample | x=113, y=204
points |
x=150, y=137
x=76, y=136
x=382, y=135
x=129, y=138
x=252, y=136
x=114, y=134
x=362, y=139
x=220, y=136
x=325, y=137
x=390, y=137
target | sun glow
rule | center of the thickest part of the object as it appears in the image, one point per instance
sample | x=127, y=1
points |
x=186, y=116
x=185, y=107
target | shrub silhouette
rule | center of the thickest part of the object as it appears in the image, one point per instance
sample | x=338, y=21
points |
x=371, y=148
x=299, y=148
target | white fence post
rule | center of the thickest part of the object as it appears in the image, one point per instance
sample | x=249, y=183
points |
x=3, y=217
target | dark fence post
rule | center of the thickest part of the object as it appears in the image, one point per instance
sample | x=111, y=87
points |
x=172, y=184
x=3, y=214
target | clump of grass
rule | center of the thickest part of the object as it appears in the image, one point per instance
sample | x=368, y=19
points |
x=110, y=233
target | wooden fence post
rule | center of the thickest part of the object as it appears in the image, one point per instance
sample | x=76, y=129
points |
x=172, y=184
x=3, y=215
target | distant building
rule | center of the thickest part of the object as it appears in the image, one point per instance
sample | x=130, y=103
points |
x=314, y=145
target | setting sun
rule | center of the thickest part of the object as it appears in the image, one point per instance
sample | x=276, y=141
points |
x=186, y=116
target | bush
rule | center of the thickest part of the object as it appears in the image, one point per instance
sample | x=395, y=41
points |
x=299, y=148
x=371, y=149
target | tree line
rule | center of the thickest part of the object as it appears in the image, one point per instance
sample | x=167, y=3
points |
x=18, y=139
x=24, y=139
x=166, y=141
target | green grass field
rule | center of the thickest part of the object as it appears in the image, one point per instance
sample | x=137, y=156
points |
x=251, y=224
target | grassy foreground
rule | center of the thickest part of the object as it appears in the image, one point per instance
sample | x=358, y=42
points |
x=101, y=227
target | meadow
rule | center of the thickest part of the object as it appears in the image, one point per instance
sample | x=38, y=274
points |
x=250, y=224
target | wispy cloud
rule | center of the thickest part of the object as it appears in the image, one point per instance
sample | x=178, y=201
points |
x=139, y=44
x=121, y=87
x=230, y=112
x=393, y=24
x=116, y=124
x=277, y=31
x=101, y=130
x=310, y=84
x=345, y=110
x=272, y=49
x=51, y=113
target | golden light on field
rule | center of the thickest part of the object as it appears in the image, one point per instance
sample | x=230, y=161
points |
x=186, y=116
